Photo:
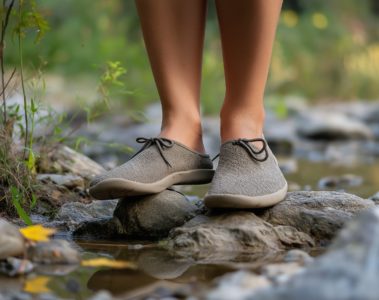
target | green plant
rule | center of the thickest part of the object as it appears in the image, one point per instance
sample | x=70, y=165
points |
x=17, y=183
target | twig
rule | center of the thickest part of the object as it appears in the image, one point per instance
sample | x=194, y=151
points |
x=4, y=25
x=8, y=81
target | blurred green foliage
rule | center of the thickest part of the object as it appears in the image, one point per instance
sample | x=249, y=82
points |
x=323, y=50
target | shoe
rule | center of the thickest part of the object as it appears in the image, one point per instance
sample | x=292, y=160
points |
x=159, y=164
x=246, y=177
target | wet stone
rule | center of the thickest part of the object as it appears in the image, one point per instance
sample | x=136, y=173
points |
x=344, y=181
x=299, y=256
x=281, y=272
x=142, y=217
x=319, y=214
x=302, y=220
x=348, y=270
x=375, y=198
x=237, y=286
x=53, y=252
x=11, y=241
x=15, y=267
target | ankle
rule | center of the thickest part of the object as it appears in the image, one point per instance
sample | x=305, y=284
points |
x=235, y=126
x=184, y=131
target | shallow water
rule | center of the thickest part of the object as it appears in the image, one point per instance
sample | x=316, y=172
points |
x=157, y=270
x=160, y=271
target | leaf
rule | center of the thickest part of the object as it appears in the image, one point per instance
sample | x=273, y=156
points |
x=37, y=233
x=31, y=163
x=106, y=262
x=16, y=201
x=37, y=285
x=34, y=201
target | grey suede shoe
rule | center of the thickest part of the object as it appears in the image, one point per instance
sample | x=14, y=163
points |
x=159, y=164
x=246, y=177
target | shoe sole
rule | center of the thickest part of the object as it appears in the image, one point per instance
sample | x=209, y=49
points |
x=114, y=188
x=243, y=201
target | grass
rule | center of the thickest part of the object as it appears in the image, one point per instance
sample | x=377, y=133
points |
x=17, y=184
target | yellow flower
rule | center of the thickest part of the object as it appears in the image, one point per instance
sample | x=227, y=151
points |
x=320, y=21
x=290, y=18
x=37, y=233
x=37, y=285
x=105, y=262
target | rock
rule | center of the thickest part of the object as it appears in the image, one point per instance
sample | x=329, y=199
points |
x=102, y=295
x=288, y=165
x=318, y=214
x=63, y=159
x=14, y=267
x=76, y=212
x=372, y=115
x=331, y=126
x=347, y=180
x=281, y=272
x=375, y=198
x=154, y=216
x=69, y=181
x=101, y=229
x=302, y=220
x=280, y=134
x=237, y=286
x=142, y=217
x=240, y=231
x=348, y=270
x=53, y=252
x=299, y=256
x=12, y=242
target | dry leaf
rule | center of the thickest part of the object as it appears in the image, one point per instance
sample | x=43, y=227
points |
x=37, y=285
x=105, y=262
x=37, y=233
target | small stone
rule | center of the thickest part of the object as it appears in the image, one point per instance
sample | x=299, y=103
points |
x=69, y=181
x=14, y=267
x=375, y=198
x=331, y=126
x=237, y=286
x=347, y=180
x=281, y=272
x=288, y=165
x=12, y=242
x=299, y=256
x=53, y=252
x=102, y=295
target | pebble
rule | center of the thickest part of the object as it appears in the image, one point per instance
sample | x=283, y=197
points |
x=69, y=181
x=53, y=252
x=11, y=241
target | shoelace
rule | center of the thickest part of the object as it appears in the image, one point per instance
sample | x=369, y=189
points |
x=244, y=143
x=159, y=142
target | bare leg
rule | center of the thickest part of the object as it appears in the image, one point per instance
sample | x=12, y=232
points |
x=173, y=31
x=247, y=32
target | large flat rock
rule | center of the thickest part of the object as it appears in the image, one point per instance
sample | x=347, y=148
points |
x=302, y=220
